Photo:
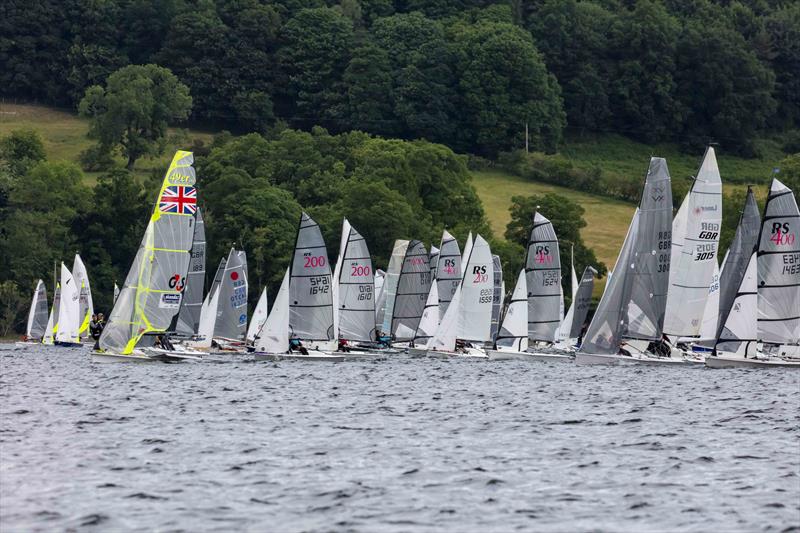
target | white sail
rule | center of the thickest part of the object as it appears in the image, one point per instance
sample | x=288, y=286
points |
x=467, y=249
x=477, y=293
x=741, y=325
x=86, y=307
x=208, y=317
x=259, y=316
x=355, y=284
x=413, y=286
x=430, y=318
x=779, y=268
x=380, y=300
x=433, y=260
x=445, y=337
x=390, y=284
x=52, y=320
x=514, y=331
x=37, y=316
x=448, y=271
x=310, y=292
x=565, y=328
x=231, y=322
x=708, y=328
x=69, y=308
x=693, y=255
x=116, y=293
x=274, y=335
x=336, y=272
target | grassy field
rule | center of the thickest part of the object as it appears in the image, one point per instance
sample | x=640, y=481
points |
x=64, y=135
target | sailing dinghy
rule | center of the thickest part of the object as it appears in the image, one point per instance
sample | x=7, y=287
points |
x=150, y=299
x=259, y=317
x=86, y=306
x=37, y=317
x=631, y=311
x=230, y=324
x=427, y=324
x=68, y=311
x=765, y=309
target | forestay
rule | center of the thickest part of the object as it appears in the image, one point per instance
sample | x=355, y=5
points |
x=695, y=238
x=231, y=320
x=448, y=271
x=151, y=295
x=191, y=306
x=514, y=331
x=37, y=316
x=310, y=292
x=413, y=286
x=477, y=291
x=543, y=270
x=85, y=304
x=356, y=290
x=779, y=268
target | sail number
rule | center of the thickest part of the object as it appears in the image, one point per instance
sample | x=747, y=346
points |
x=314, y=261
x=781, y=235
x=486, y=296
x=319, y=285
x=550, y=278
x=664, y=243
x=364, y=293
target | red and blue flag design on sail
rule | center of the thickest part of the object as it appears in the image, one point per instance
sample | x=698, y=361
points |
x=179, y=199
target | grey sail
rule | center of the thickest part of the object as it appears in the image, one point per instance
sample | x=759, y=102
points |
x=648, y=275
x=356, y=291
x=605, y=331
x=413, y=286
x=37, y=317
x=189, y=315
x=390, y=282
x=583, y=298
x=779, y=268
x=738, y=257
x=543, y=273
x=497, y=296
x=448, y=271
x=231, y=320
x=310, y=288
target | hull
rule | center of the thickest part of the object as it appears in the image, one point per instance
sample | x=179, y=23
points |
x=159, y=353
x=98, y=357
x=27, y=344
x=597, y=359
x=417, y=352
x=737, y=362
x=298, y=357
x=472, y=354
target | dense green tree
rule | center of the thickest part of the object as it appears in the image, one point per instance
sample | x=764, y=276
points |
x=133, y=110
x=504, y=84
x=567, y=218
x=20, y=150
x=12, y=306
x=783, y=30
x=368, y=80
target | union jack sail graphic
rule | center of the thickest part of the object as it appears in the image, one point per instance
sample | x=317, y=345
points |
x=179, y=199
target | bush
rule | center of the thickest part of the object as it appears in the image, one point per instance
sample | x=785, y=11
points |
x=96, y=158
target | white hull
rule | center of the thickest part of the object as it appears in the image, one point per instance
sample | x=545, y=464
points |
x=177, y=353
x=513, y=355
x=320, y=356
x=641, y=359
x=597, y=359
x=738, y=362
x=417, y=352
x=155, y=355
x=470, y=354
x=27, y=344
x=117, y=358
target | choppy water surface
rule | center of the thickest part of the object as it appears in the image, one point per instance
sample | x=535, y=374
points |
x=396, y=445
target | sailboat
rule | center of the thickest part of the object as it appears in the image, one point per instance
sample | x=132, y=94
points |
x=86, y=307
x=259, y=317
x=208, y=312
x=188, y=323
x=570, y=328
x=407, y=292
x=150, y=299
x=469, y=316
x=765, y=308
x=631, y=310
x=512, y=339
x=52, y=320
x=69, y=318
x=230, y=325
x=427, y=324
x=304, y=304
x=693, y=257
x=37, y=317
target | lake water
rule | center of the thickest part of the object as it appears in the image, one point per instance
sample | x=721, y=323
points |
x=395, y=445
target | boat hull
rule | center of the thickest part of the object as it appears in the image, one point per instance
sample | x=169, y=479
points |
x=735, y=362
x=597, y=359
x=322, y=357
x=475, y=355
x=417, y=352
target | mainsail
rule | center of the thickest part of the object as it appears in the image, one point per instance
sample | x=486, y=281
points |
x=740, y=329
x=581, y=302
x=274, y=335
x=231, y=320
x=259, y=316
x=356, y=290
x=52, y=321
x=191, y=306
x=738, y=257
x=564, y=329
x=413, y=286
x=634, y=301
x=37, y=316
x=514, y=331
x=497, y=296
x=310, y=292
x=390, y=281
x=779, y=268
x=430, y=318
x=86, y=307
x=69, y=308
x=543, y=268
x=695, y=238
x=477, y=293
x=708, y=329
x=151, y=295
x=448, y=271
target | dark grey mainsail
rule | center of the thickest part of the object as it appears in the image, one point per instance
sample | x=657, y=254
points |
x=583, y=298
x=189, y=315
x=779, y=268
x=650, y=262
x=738, y=257
x=413, y=286
x=497, y=296
x=356, y=291
x=543, y=273
x=231, y=320
x=37, y=316
x=448, y=271
x=310, y=289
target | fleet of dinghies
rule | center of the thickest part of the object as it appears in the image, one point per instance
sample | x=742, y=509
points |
x=667, y=300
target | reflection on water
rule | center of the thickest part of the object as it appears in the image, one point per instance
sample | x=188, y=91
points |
x=394, y=445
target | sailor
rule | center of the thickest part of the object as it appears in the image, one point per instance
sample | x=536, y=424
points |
x=296, y=345
x=343, y=347
x=95, y=327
